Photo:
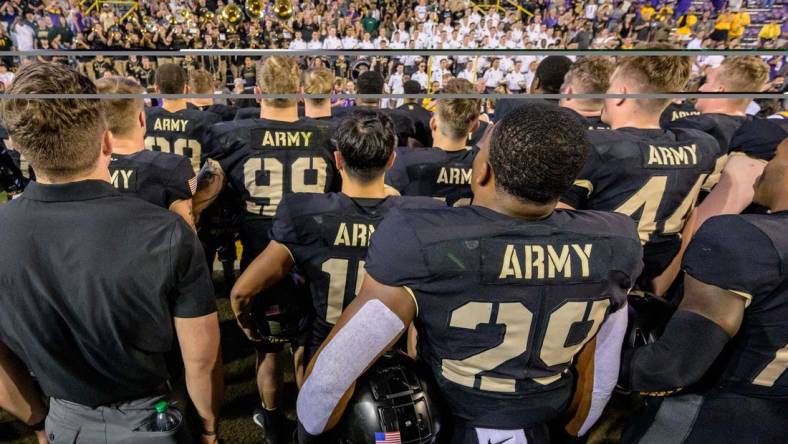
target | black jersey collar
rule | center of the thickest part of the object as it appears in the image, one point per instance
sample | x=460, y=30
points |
x=67, y=192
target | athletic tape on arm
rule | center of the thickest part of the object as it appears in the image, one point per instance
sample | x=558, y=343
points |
x=343, y=360
x=607, y=357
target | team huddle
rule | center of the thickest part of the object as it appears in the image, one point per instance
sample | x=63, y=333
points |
x=508, y=281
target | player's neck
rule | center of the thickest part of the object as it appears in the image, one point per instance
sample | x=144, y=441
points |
x=575, y=106
x=724, y=108
x=637, y=121
x=446, y=144
x=372, y=190
x=126, y=146
x=201, y=102
x=289, y=114
x=174, y=105
x=509, y=205
x=98, y=173
x=317, y=110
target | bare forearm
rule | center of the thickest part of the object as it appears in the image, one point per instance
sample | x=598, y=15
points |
x=19, y=394
x=206, y=390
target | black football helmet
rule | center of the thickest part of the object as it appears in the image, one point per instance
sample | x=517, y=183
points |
x=648, y=316
x=396, y=395
x=284, y=311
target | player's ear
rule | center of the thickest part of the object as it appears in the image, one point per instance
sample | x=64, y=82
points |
x=567, y=90
x=338, y=160
x=106, y=143
x=621, y=100
x=392, y=158
x=257, y=92
x=141, y=118
x=474, y=127
x=433, y=124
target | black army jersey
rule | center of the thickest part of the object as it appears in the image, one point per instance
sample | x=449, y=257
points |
x=720, y=126
x=249, y=112
x=748, y=255
x=225, y=112
x=181, y=132
x=328, y=235
x=159, y=178
x=759, y=138
x=505, y=304
x=421, y=120
x=433, y=172
x=676, y=111
x=264, y=160
x=596, y=123
x=652, y=175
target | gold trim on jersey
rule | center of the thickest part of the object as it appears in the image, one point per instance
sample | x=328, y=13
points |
x=413, y=296
x=584, y=183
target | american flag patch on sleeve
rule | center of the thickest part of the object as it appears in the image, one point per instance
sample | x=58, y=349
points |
x=193, y=185
x=387, y=438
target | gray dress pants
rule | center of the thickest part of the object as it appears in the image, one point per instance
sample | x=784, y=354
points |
x=127, y=423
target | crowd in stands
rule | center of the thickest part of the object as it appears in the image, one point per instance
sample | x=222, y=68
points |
x=363, y=24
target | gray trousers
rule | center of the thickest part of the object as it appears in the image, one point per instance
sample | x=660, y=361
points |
x=70, y=423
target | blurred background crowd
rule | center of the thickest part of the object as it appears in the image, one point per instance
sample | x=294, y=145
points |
x=378, y=24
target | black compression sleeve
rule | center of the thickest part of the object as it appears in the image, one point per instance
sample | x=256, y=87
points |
x=680, y=357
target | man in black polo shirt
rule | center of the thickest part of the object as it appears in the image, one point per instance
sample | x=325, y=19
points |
x=96, y=285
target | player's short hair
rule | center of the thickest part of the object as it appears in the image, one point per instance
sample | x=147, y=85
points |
x=457, y=115
x=201, y=82
x=370, y=82
x=318, y=81
x=411, y=87
x=170, y=78
x=590, y=75
x=279, y=75
x=551, y=72
x=366, y=140
x=120, y=113
x=537, y=150
x=59, y=137
x=745, y=73
x=655, y=74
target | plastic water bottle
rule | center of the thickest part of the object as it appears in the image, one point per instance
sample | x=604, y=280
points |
x=167, y=419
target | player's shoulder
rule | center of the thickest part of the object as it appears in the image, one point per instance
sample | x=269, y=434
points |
x=418, y=154
x=603, y=223
x=693, y=135
x=166, y=161
x=229, y=127
x=760, y=137
x=297, y=205
x=735, y=231
x=414, y=202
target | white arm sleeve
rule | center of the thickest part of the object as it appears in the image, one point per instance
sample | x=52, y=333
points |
x=607, y=360
x=351, y=351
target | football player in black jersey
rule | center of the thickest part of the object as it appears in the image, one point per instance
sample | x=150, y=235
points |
x=444, y=170
x=677, y=109
x=589, y=75
x=326, y=235
x=735, y=170
x=174, y=127
x=201, y=82
x=727, y=345
x=163, y=179
x=421, y=117
x=505, y=293
x=264, y=160
x=637, y=168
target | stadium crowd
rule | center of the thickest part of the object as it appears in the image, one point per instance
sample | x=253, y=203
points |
x=356, y=24
x=532, y=257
